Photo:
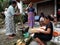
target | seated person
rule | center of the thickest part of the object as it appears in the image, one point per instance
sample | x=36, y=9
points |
x=45, y=35
x=41, y=21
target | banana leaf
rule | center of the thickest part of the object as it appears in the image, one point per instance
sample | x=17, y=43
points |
x=1, y=0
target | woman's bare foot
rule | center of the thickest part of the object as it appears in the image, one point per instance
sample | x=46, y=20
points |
x=11, y=36
x=39, y=41
x=42, y=44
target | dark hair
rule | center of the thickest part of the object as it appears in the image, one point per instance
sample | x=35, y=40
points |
x=49, y=17
x=13, y=2
x=42, y=14
x=18, y=0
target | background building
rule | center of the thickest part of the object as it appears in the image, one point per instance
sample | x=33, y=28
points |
x=58, y=9
x=47, y=6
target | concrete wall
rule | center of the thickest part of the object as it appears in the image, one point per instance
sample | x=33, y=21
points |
x=44, y=6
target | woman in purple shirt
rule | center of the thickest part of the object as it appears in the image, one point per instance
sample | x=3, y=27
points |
x=30, y=10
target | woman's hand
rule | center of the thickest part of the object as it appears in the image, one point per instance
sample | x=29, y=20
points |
x=36, y=30
x=46, y=32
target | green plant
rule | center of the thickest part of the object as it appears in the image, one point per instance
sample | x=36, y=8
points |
x=1, y=0
x=3, y=4
x=1, y=9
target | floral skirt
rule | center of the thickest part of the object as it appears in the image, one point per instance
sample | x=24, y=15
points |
x=10, y=25
x=30, y=19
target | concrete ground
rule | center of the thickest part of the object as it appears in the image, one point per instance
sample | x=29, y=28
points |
x=5, y=41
